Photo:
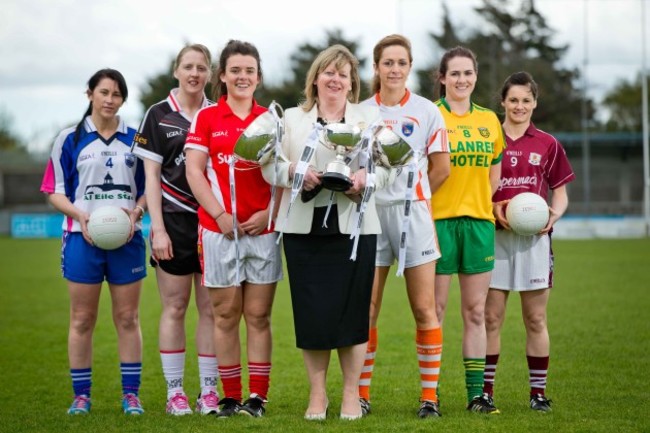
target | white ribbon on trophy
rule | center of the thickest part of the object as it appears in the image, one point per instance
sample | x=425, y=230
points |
x=408, y=200
x=277, y=146
x=233, y=205
x=301, y=169
x=365, y=158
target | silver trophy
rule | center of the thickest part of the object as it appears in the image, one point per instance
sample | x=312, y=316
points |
x=390, y=150
x=258, y=141
x=344, y=139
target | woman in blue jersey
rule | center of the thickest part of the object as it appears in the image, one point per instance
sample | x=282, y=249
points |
x=91, y=165
x=174, y=230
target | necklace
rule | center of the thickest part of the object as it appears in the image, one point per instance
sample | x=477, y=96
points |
x=328, y=122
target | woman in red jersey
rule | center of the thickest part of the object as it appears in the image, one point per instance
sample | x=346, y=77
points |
x=209, y=149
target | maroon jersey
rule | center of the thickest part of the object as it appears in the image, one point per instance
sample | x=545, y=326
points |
x=535, y=162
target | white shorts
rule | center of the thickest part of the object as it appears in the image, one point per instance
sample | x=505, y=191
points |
x=522, y=263
x=260, y=259
x=421, y=240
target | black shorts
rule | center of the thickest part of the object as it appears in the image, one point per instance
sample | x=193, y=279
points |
x=183, y=230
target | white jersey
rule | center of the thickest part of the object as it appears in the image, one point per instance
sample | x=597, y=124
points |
x=419, y=122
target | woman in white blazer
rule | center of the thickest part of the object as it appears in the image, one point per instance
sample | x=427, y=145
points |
x=330, y=293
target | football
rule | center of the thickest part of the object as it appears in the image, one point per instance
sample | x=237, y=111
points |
x=527, y=213
x=109, y=227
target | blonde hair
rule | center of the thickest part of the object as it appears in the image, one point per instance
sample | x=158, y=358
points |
x=194, y=47
x=339, y=56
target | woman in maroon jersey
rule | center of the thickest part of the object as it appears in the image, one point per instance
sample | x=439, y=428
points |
x=524, y=264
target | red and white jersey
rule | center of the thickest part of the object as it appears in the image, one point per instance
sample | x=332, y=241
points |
x=215, y=131
x=535, y=162
x=419, y=122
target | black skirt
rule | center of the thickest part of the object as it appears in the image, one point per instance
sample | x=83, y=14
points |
x=330, y=294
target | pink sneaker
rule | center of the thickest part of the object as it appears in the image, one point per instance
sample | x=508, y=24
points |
x=207, y=404
x=178, y=405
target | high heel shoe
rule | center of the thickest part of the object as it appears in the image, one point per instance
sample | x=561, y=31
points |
x=321, y=416
x=350, y=417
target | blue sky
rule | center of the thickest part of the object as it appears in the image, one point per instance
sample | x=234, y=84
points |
x=50, y=49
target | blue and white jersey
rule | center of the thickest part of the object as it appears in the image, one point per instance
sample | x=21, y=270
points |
x=94, y=172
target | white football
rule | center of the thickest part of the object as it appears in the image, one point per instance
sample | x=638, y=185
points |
x=527, y=213
x=109, y=227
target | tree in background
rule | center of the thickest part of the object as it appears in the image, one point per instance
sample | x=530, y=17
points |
x=624, y=104
x=8, y=140
x=509, y=42
x=287, y=93
x=290, y=91
x=13, y=151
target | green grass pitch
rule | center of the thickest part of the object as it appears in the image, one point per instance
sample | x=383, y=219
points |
x=598, y=320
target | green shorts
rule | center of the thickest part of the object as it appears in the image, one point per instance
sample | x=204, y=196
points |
x=466, y=244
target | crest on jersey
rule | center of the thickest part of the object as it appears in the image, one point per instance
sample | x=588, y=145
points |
x=129, y=159
x=485, y=133
x=534, y=158
x=407, y=128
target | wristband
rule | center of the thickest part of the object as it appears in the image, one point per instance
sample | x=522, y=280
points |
x=141, y=210
x=221, y=213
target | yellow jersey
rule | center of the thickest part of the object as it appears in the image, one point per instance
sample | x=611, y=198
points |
x=476, y=142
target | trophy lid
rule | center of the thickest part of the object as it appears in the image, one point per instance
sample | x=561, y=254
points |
x=393, y=148
x=257, y=138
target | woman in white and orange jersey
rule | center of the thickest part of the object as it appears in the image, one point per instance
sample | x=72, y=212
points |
x=407, y=230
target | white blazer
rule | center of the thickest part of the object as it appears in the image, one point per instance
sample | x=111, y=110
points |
x=298, y=126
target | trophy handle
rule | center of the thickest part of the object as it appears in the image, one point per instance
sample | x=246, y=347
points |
x=276, y=110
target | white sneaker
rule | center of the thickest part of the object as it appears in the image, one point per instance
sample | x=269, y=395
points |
x=207, y=404
x=178, y=405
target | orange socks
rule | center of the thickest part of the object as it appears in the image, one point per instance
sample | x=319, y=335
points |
x=429, y=347
x=368, y=365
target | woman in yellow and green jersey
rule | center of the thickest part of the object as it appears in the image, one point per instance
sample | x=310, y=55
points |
x=462, y=209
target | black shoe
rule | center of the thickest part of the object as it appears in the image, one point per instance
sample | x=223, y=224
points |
x=429, y=409
x=365, y=406
x=228, y=407
x=254, y=407
x=540, y=402
x=483, y=404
